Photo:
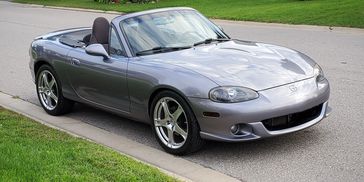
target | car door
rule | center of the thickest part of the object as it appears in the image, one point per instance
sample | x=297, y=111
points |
x=98, y=80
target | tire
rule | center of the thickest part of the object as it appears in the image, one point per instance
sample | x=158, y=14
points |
x=167, y=126
x=49, y=91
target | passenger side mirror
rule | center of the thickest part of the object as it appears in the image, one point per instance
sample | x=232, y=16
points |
x=97, y=50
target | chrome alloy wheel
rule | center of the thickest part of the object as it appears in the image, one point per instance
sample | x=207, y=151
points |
x=48, y=90
x=170, y=122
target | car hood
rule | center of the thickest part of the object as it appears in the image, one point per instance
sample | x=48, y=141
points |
x=240, y=63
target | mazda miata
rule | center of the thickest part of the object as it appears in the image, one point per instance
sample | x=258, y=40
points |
x=178, y=71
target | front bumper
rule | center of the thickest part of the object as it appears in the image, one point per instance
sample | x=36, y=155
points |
x=274, y=102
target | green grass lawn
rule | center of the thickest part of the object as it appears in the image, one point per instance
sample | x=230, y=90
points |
x=348, y=13
x=30, y=151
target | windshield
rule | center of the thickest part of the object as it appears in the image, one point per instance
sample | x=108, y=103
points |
x=169, y=29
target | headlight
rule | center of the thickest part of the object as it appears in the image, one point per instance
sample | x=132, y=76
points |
x=232, y=94
x=319, y=73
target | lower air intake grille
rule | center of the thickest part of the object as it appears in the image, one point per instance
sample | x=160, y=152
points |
x=292, y=120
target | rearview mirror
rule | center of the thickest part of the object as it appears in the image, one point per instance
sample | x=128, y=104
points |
x=97, y=50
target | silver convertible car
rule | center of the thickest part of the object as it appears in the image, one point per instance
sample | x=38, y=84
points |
x=179, y=72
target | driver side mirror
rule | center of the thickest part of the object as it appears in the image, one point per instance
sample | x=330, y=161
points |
x=97, y=50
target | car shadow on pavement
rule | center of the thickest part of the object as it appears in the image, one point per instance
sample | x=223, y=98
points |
x=213, y=151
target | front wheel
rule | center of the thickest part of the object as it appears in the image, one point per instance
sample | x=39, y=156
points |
x=49, y=92
x=174, y=124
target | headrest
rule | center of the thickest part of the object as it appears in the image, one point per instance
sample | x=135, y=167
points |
x=100, y=31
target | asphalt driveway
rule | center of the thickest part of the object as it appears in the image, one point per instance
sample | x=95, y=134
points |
x=330, y=151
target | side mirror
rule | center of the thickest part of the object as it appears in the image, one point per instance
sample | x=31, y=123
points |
x=97, y=50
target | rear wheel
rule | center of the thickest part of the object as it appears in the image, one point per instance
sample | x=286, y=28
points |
x=174, y=124
x=49, y=92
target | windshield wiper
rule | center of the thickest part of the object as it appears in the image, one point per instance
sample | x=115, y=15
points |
x=210, y=40
x=161, y=49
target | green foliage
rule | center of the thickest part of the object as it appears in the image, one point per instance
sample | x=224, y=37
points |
x=30, y=151
x=348, y=13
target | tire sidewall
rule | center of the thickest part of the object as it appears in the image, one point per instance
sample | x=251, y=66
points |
x=193, y=128
x=61, y=100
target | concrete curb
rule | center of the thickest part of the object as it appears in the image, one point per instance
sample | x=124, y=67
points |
x=70, y=9
x=175, y=166
x=250, y=23
x=86, y=10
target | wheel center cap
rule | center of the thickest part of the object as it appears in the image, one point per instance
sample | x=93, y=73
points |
x=48, y=92
x=170, y=122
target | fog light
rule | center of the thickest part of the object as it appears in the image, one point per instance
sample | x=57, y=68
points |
x=235, y=129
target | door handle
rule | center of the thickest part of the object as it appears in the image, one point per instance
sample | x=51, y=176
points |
x=75, y=61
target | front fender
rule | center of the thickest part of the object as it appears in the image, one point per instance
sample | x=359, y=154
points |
x=145, y=77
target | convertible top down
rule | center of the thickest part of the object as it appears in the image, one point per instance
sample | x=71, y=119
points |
x=176, y=70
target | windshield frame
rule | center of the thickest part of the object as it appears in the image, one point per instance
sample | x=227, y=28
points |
x=203, y=18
